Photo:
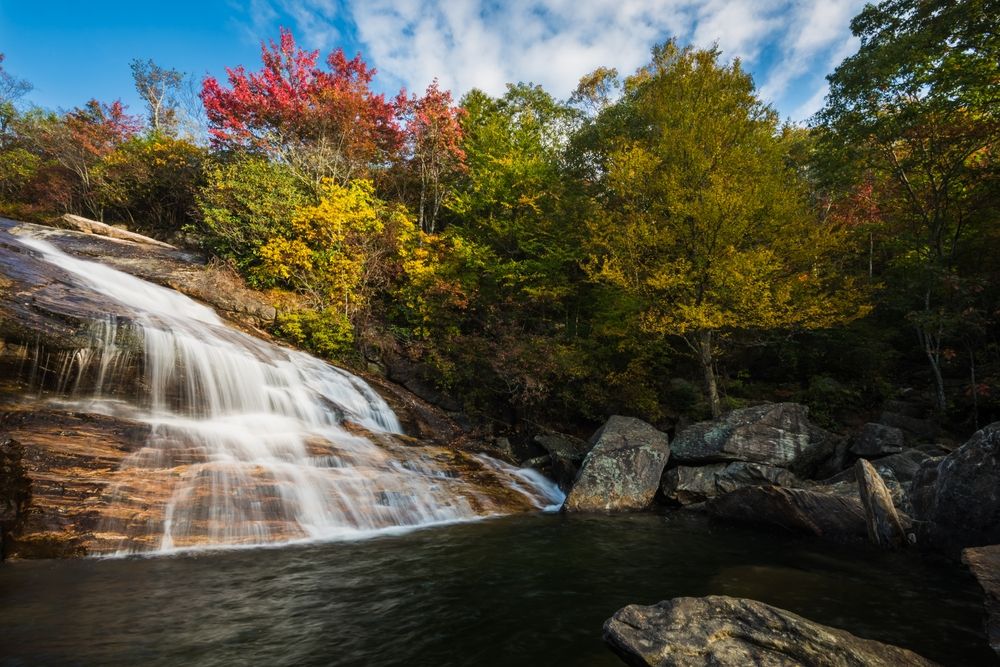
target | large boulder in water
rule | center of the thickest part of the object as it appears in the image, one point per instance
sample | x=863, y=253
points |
x=622, y=470
x=985, y=565
x=694, y=484
x=732, y=632
x=956, y=500
x=777, y=434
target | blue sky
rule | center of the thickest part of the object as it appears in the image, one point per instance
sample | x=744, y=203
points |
x=72, y=51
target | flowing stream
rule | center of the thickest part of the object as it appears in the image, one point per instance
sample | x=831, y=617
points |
x=251, y=443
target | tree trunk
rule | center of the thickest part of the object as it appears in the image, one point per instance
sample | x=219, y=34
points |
x=705, y=357
x=931, y=342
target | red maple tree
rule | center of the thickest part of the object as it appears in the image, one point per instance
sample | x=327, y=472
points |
x=322, y=122
x=433, y=143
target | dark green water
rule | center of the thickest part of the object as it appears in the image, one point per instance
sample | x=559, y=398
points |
x=529, y=590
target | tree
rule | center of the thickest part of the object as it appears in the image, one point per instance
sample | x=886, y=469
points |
x=151, y=181
x=432, y=136
x=916, y=112
x=245, y=202
x=79, y=140
x=159, y=88
x=11, y=90
x=702, y=218
x=322, y=123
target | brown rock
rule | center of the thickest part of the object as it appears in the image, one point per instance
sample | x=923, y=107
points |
x=88, y=226
x=720, y=631
x=985, y=565
x=885, y=529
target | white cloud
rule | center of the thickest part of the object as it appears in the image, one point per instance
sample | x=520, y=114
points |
x=486, y=44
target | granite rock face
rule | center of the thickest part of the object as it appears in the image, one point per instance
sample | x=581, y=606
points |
x=956, y=500
x=831, y=516
x=720, y=631
x=694, y=484
x=776, y=434
x=622, y=470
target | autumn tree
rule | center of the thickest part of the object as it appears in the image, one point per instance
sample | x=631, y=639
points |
x=321, y=122
x=915, y=114
x=702, y=218
x=79, y=140
x=159, y=88
x=432, y=139
x=151, y=182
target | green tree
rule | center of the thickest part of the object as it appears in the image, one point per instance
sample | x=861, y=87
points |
x=703, y=219
x=245, y=201
x=916, y=112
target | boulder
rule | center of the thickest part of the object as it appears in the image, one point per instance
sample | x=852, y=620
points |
x=919, y=429
x=695, y=484
x=885, y=529
x=846, y=484
x=877, y=440
x=832, y=516
x=902, y=466
x=622, y=470
x=723, y=631
x=956, y=500
x=777, y=434
x=566, y=455
x=88, y=226
x=985, y=565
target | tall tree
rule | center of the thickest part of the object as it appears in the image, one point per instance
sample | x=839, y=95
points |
x=917, y=112
x=703, y=220
x=433, y=142
x=11, y=90
x=323, y=123
x=159, y=88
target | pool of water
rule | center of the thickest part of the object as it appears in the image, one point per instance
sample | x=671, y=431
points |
x=524, y=590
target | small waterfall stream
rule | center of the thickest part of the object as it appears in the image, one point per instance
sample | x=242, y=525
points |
x=250, y=443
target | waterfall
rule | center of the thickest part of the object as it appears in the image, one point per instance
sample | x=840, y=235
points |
x=247, y=442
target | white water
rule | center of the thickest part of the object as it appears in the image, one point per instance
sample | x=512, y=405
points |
x=248, y=441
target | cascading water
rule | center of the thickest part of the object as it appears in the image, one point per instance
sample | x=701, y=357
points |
x=249, y=443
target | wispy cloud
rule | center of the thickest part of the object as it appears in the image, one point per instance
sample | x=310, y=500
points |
x=787, y=44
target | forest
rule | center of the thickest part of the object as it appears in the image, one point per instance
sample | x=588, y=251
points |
x=661, y=244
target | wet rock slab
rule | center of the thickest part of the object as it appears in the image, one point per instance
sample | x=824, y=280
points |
x=721, y=631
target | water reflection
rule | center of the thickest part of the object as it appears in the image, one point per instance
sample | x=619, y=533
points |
x=515, y=591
